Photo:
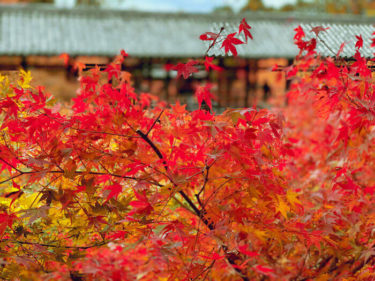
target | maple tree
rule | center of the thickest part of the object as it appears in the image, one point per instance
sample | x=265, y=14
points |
x=122, y=186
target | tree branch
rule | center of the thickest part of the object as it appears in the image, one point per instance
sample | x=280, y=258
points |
x=79, y=172
x=10, y=165
x=230, y=257
x=214, y=42
x=156, y=120
x=89, y=131
x=51, y=245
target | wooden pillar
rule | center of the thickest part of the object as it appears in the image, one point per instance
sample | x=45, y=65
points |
x=228, y=83
x=247, y=84
x=253, y=73
x=149, y=73
x=135, y=76
x=222, y=85
x=229, y=100
x=24, y=63
x=137, y=72
x=69, y=68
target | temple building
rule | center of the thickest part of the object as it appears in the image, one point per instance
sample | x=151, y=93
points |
x=34, y=36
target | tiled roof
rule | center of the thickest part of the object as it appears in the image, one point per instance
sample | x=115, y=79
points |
x=338, y=33
x=47, y=30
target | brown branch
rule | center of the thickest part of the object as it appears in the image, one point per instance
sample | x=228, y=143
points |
x=34, y=257
x=204, y=185
x=207, y=270
x=51, y=245
x=214, y=42
x=326, y=45
x=104, y=133
x=182, y=193
x=230, y=257
x=199, y=213
x=11, y=178
x=44, y=187
x=156, y=120
x=335, y=266
x=10, y=165
x=79, y=172
x=105, y=153
x=89, y=131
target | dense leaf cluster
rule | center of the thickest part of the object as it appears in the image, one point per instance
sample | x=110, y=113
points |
x=121, y=186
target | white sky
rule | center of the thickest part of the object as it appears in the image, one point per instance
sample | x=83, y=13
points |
x=186, y=5
x=278, y=3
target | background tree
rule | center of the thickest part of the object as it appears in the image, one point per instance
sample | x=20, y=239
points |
x=327, y=6
x=223, y=9
x=254, y=5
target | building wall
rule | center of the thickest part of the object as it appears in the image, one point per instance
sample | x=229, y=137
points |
x=237, y=85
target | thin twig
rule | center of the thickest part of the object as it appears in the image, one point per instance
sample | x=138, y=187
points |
x=90, y=131
x=51, y=245
x=10, y=165
x=44, y=187
x=326, y=45
x=155, y=121
x=207, y=168
x=80, y=172
x=214, y=42
x=229, y=257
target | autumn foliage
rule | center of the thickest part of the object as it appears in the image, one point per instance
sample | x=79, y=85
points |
x=122, y=186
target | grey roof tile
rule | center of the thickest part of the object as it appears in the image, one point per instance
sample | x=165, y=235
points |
x=47, y=30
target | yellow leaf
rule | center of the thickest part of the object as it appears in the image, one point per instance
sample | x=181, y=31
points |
x=25, y=79
x=323, y=277
x=291, y=196
x=266, y=151
x=282, y=207
x=262, y=235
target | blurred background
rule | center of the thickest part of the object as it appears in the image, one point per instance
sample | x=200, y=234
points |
x=34, y=33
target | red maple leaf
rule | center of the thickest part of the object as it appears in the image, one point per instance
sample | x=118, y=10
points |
x=244, y=250
x=185, y=69
x=209, y=36
x=208, y=64
x=341, y=49
x=142, y=205
x=318, y=29
x=264, y=270
x=275, y=67
x=229, y=43
x=124, y=54
x=203, y=93
x=214, y=256
x=6, y=220
x=65, y=58
x=245, y=27
x=168, y=67
x=369, y=190
x=299, y=33
x=120, y=234
x=178, y=108
x=113, y=70
x=115, y=189
x=79, y=66
x=359, y=43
